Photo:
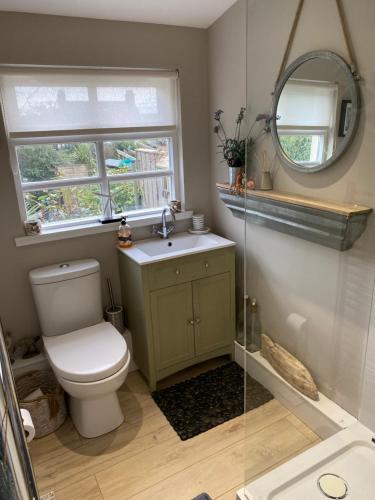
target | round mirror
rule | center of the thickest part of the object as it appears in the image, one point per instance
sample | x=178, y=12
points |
x=315, y=111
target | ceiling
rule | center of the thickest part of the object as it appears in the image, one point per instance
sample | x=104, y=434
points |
x=195, y=13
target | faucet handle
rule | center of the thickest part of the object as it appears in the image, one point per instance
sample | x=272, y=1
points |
x=173, y=211
x=170, y=228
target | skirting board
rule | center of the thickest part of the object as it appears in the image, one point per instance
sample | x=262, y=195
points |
x=324, y=417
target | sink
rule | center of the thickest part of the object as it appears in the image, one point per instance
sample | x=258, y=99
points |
x=178, y=245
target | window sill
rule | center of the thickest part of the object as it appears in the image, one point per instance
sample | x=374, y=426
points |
x=92, y=228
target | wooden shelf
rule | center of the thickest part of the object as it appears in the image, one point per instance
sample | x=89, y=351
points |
x=335, y=225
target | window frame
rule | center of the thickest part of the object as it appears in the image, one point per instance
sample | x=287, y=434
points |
x=102, y=179
x=321, y=131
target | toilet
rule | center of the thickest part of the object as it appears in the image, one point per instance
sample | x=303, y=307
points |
x=89, y=356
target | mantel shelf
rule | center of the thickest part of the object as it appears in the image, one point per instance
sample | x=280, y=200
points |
x=334, y=225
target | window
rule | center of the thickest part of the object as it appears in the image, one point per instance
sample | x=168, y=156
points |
x=303, y=146
x=86, y=145
x=306, y=120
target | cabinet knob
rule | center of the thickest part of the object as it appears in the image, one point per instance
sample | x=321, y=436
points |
x=177, y=272
x=190, y=322
x=197, y=321
x=206, y=265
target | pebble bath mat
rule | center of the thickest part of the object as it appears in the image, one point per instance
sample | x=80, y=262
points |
x=203, y=402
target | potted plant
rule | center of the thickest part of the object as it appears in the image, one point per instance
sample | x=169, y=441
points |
x=233, y=149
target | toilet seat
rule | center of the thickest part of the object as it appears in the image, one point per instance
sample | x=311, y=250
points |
x=87, y=355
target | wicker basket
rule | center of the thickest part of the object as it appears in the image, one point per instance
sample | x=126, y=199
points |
x=48, y=412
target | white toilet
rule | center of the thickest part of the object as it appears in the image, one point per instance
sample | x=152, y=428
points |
x=89, y=356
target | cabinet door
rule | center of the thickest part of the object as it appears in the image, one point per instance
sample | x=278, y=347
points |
x=172, y=325
x=213, y=313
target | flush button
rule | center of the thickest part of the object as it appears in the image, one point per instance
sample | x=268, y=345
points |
x=63, y=266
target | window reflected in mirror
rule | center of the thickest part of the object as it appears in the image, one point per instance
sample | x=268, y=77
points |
x=314, y=112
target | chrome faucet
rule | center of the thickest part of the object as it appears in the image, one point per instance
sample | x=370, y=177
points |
x=165, y=228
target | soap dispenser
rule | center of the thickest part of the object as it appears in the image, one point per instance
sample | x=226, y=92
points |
x=124, y=234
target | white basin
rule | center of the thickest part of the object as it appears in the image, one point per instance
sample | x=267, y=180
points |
x=177, y=245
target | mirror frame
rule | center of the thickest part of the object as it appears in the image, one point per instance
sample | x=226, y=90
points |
x=356, y=103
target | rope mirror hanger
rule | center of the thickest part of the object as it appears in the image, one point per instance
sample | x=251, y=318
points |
x=345, y=28
x=309, y=127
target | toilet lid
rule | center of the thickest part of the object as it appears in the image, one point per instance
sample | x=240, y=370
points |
x=87, y=355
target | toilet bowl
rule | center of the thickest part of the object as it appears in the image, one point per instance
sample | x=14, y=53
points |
x=91, y=364
x=94, y=406
x=89, y=356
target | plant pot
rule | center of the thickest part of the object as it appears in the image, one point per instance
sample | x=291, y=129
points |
x=233, y=173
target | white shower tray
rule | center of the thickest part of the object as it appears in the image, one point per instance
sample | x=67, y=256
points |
x=349, y=454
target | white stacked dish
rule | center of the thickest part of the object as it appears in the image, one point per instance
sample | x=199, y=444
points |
x=198, y=222
x=199, y=225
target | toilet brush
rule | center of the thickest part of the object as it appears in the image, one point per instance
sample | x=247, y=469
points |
x=113, y=313
x=110, y=292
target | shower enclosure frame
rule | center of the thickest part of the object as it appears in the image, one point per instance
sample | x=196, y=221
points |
x=18, y=479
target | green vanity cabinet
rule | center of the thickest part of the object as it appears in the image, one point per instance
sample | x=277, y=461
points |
x=180, y=311
x=212, y=312
x=172, y=325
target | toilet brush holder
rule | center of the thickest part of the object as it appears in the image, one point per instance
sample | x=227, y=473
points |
x=115, y=315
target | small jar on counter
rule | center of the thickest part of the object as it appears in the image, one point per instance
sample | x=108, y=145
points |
x=32, y=227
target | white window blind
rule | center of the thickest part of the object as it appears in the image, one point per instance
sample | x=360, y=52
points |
x=307, y=104
x=57, y=100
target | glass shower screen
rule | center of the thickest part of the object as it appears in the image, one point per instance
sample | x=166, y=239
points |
x=312, y=300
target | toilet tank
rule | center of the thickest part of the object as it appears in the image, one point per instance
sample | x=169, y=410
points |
x=67, y=296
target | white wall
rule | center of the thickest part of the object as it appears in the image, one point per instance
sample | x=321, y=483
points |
x=367, y=407
x=332, y=290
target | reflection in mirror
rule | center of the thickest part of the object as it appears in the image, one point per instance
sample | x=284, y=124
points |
x=314, y=107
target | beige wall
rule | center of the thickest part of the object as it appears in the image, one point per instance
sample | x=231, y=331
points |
x=331, y=289
x=227, y=91
x=37, y=39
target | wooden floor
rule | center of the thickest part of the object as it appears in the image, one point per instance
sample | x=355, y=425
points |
x=145, y=459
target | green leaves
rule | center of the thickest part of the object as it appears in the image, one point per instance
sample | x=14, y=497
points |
x=38, y=162
x=234, y=151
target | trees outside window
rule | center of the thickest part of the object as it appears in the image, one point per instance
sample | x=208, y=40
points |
x=64, y=181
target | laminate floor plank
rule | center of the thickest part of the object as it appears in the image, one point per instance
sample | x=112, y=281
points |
x=230, y=494
x=87, y=489
x=106, y=451
x=217, y=473
x=54, y=444
x=163, y=461
x=145, y=459
x=303, y=428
